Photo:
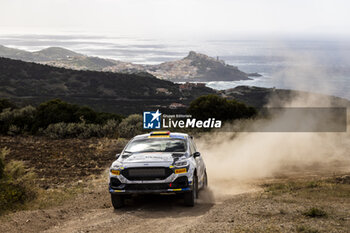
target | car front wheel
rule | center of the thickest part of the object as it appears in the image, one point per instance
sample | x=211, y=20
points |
x=117, y=201
x=205, y=182
x=190, y=197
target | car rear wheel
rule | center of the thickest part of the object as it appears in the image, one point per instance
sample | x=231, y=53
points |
x=190, y=197
x=117, y=201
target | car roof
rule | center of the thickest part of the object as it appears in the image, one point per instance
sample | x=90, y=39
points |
x=171, y=135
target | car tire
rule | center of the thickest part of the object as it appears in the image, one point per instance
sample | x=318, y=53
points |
x=205, y=181
x=190, y=197
x=117, y=201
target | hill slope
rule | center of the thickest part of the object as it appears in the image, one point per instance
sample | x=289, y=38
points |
x=197, y=67
x=259, y=97
x=104, y=91
x=52, y=53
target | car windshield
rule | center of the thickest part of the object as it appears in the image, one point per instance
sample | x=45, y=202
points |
x=157, y=145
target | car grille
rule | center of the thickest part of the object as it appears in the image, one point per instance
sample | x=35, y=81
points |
x=146, y=187
x=147, y=173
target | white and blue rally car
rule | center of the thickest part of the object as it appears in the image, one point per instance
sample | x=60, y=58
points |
x=158, y=162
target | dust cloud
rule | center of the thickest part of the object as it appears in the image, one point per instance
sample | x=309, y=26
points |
x=235, y=160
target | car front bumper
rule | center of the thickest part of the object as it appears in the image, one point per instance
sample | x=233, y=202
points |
x=182, y=185
x=155, y=191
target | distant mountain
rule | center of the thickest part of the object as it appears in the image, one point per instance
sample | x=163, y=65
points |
x=52, y=53
x=55, y=53
x=197, y=67
x=194, y=67
x=15, y=53
x=31, y=83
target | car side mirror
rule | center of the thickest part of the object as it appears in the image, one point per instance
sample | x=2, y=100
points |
x=117, y=156
x=196, y=154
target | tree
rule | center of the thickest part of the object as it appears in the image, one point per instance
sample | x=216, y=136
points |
x=5, y=103
x=55, y=111
x=17, y=120
x=213, y=106
x=103, y=117
x=86, y=114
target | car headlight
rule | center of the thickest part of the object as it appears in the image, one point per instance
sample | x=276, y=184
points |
x=181, y=163
x=115, y=172
x=117, y=166
x=115, y=169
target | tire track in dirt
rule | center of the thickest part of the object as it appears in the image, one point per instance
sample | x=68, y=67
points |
x=91, y=211
x=151, y=213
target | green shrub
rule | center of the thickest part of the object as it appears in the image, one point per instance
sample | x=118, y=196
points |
x=64, y=119
x=66, y=130
x=306, y=229
x=56, y=111
x=81, y=130
x=2, y=162
x=213, y=106
x=14, y=130
x=131, y=126
x=16, y=184
x=315, y=213
x=15, y=121
x=85, y=114
x=110, y=129
x=5, y=103
x=103, y=117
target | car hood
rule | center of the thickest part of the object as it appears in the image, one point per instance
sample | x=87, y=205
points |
x=149, y=158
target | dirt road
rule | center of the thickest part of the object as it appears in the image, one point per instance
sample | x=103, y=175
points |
x=245, y=208
x=276, y=204
x=91, y=211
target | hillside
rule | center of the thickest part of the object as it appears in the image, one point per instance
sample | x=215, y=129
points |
x=122, y=93
x=52, y=53
x=197, y=67
x=194, y=67
x=260, y=96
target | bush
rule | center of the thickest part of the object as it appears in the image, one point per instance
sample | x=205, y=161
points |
x=13, y=130
x=81, y=130
x=103, y=117
x=63, y=118
x=56, y=111
x=213, y=106
x=306, y=229
x=16, y=184
x=69, y=130
x=131, y=126
x=110, y=129
x=16, y=121
x=5, y=103
x=2, y=163
x=85, y=114
x=315, y=213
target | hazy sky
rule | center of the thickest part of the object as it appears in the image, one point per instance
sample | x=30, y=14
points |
x=177, y=18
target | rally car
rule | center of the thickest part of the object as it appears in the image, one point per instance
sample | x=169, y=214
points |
x=158, y=162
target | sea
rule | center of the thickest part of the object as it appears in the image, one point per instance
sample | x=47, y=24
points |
x=316, y=65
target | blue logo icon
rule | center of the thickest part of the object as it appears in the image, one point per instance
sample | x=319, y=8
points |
x=151, y=120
